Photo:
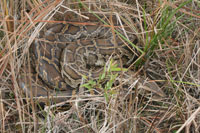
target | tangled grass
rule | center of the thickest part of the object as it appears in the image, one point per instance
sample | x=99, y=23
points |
x=168, y=34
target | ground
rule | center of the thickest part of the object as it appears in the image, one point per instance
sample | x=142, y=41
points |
x=160, y=94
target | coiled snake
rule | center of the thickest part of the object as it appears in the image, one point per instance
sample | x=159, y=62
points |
x=65, y=52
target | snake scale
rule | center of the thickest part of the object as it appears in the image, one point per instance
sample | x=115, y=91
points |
x=63, y=53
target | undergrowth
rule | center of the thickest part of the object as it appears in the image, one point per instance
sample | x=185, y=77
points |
x=158, y=92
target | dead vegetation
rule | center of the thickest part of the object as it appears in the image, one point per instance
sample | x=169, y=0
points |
x=169, y=59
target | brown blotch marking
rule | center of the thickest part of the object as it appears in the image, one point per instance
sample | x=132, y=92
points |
x=62, y=84
x=62, y=38
x=78, y=57
x=91, y=59
x=56, y=63
x=45, y=50
x=57, y=28
x=92, y=48
x=61, y=45
x=86, y=42
x=41, y=34
x=106, y=51
x=69, y=57
x=79, y=63
x=72, y=29
x=81, y=51
x=34, y=49
x=72, y=47
x=51, y=74
x=50, y=37
x=75, y=66
x=72, y=73
x=91, y=28
x=104, y=43
x=57, y=53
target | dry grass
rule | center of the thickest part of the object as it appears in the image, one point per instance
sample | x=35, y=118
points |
x=168, y=33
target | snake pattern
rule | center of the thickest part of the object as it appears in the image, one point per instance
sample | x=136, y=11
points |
x=63, y=53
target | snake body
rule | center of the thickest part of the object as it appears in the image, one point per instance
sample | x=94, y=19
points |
x=65, y=52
